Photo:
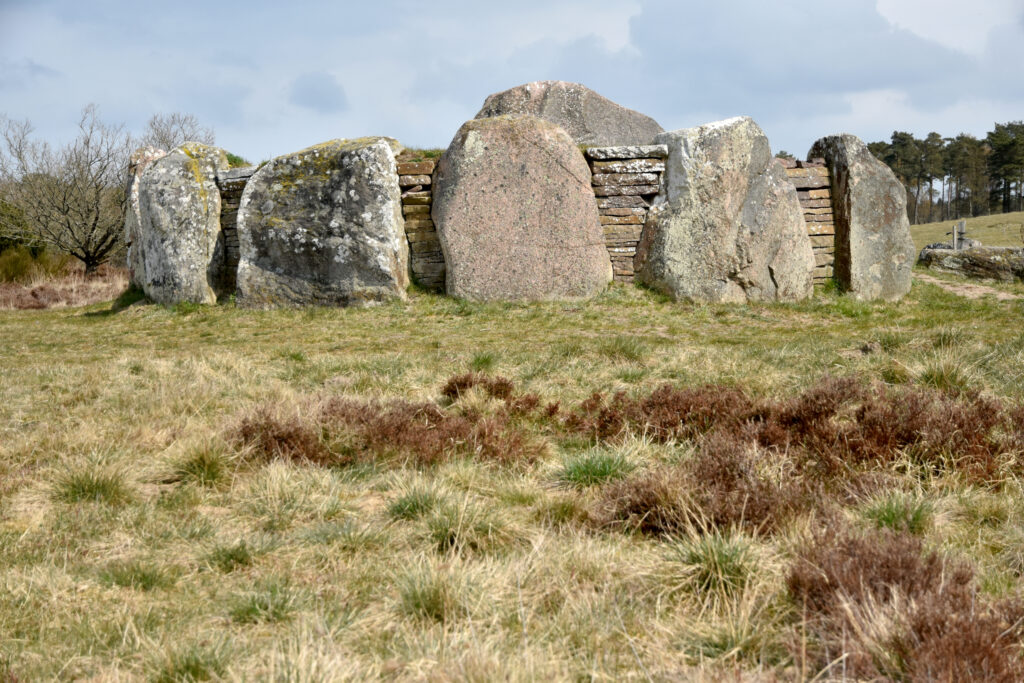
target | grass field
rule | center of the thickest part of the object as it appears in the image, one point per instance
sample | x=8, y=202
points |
x=999, y=230
x=431, y=489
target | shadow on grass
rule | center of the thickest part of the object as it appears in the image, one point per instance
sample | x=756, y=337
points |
x=128, y=298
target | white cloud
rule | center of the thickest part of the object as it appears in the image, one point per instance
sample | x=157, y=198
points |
x=955, y=24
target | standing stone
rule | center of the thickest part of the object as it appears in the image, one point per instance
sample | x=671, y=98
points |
x=179, y=205
x=139, y=162
x=874, y=250
x=516, y=215
x=324, y=226
x=729, y=227
x=588, y=117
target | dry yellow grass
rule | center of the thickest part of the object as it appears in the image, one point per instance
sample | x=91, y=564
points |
x=138, y=540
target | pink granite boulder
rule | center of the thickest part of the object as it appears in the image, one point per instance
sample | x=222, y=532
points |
x=516, y=215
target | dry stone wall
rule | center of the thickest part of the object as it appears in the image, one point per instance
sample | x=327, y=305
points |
x=625, y=181
x=426, y=260
x=231, y=183
x=814, y=190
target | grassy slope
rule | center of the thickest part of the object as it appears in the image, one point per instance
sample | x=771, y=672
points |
x=999, y=230
x=284, y=570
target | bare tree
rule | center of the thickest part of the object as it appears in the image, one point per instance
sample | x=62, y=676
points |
x=72, y=198
x=167, y=131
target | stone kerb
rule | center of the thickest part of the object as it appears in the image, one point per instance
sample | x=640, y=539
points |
x=133, y=239
x=324, y=226
x=179, y=208
x=588, y=118
x=515, y=212
x=626, y=180
x=874, y=252
x=728, y=226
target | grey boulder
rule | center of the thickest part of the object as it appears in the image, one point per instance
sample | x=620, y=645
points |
x=1005, y=264
x=515, y=213
x=324, y=226
x=589, y=118
x=181, y=241
x=874, y=250
x=728, y=226
x=139, y=162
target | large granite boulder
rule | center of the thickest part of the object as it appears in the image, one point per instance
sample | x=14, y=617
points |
x=179, y=206
x=515, y=213
x=728, y=226
x=324, y=226
x=588, y=117
x=874, y=251
x=137, y=164
x=1005, y=264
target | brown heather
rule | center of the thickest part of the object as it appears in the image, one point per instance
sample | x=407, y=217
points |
x=897, y=612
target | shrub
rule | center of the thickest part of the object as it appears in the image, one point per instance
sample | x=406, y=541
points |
x=273, y=436
x=895, y=612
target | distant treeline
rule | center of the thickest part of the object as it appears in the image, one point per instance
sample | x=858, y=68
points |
x=949, y=178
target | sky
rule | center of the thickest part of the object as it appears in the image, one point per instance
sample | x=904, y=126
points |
x=273, y=77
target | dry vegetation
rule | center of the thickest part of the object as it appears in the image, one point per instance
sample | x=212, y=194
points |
x=625, y=488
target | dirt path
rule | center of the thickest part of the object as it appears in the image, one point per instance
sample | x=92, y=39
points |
x=971, y=291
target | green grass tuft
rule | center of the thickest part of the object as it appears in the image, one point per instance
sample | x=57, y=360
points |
x=716, y=563
x=414, y=503
x=485, y=360
x=272, y=601
x=137, y=574
x=195, y=662
x=900, y=513
x=594, y=467
x=92, y=484
x=204, y=466
x=429, y=593
x=228, y=558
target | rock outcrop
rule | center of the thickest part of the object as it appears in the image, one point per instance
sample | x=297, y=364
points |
x=874, y=251
x=179, y=210
x=324, y=226
x=139, y=162
x=986, y=263
x=588, y=117
x=729, y=227
x=515, y=213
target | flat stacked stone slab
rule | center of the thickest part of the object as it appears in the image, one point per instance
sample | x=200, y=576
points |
x=625, y=179
x=426, y=260
x=231, y=183
x=814, y=190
